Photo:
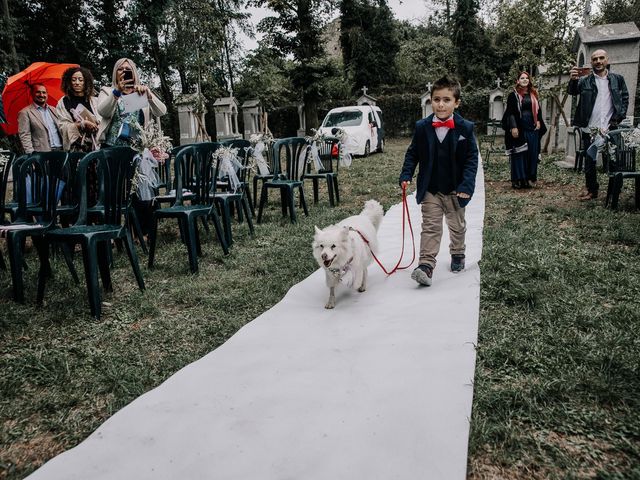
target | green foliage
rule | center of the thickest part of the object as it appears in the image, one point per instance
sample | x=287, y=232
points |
x=473, y=102
x=474, y=52
x=400, y=112
x=618, y=11
x=423, y=57
x=297, y=31
x=43, y=31
x=266, y=75
x=369, y=42
x=283, y=121
x=527, y=29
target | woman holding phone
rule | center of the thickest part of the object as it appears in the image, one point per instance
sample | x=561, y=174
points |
x=120, y=127
x=117, y=127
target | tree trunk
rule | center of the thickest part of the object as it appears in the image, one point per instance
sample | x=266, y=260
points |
x=163, y=72
x=311, y=114
x=8, y=21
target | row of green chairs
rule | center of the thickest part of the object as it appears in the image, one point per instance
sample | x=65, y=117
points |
x=60, y=191
x=290, y=166
x=48, y=175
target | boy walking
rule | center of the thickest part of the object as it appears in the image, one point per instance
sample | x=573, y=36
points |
x=444, y=147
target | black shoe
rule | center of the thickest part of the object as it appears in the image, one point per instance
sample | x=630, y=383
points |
x=422, y=274
x=457, y=262
x=515, y=185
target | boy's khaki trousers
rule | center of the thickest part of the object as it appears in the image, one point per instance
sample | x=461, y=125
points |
x=434, y=207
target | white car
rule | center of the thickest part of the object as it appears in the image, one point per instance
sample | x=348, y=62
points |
x=362, y=123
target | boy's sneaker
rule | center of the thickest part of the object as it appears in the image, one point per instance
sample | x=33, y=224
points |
x=422, y=274
x=457, y=263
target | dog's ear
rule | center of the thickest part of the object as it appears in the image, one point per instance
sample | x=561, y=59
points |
x=317, y=229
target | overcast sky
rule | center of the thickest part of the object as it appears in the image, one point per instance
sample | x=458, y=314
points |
x=414, y=10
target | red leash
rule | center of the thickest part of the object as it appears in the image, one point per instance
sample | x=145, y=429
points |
x=405, y=212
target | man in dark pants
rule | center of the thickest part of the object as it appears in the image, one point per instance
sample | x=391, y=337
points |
x=603, y=104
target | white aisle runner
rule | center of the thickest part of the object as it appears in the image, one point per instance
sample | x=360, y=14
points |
x=378, y=388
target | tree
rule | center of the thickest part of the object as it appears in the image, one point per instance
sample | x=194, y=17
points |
x=618, y=11
x=266, y=74
x=296, y=31
x=369, y=42
x=474, y=52
x=425, y=55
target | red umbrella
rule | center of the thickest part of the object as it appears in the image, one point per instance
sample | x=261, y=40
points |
x=17, y=91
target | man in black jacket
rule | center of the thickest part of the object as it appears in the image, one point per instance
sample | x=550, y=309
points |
x=603, y=104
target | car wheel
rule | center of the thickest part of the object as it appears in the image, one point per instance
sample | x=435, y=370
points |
x=367, y=149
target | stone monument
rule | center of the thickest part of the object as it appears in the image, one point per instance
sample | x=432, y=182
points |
x=366, y=99
x=496, y=107
x=191, y=112
x=252, y=117
x=425, y=102
x=226, y=114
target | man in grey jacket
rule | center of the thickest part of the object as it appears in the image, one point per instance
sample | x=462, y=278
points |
x=603, y=104
x=38, y=124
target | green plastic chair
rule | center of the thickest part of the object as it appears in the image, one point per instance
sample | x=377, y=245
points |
x=5, y=169
x=244, y=151
x=289, y=162
x=116, y=167
x=328, y=172
x=193, y=171
x=48, y=175
x=227, y=200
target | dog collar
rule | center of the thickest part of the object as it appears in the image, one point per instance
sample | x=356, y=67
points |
x=339, y=272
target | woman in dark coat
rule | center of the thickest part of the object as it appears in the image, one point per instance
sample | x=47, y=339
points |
x=524, y=127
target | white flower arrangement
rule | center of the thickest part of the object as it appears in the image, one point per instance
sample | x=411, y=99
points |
x=153, y=149
x=265, y=137
x=260, y=142
x=229, y=165
x=4, y=160
x=151, y=138
x=632, y=137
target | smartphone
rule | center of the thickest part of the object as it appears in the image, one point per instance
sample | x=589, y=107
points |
x=583, y=71
x=127, y=76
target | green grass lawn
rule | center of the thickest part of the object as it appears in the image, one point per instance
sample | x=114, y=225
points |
x=557, y=381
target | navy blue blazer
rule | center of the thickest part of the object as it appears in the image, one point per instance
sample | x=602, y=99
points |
x=422, y=151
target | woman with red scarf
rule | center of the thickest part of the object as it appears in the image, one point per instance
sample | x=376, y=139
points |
x=524, y=127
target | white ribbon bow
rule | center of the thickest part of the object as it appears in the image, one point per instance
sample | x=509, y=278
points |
x=148, y=179
x=263, y=168
x=229, y=165
x=315, y=157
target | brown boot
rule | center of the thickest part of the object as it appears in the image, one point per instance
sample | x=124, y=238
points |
x=588, y=196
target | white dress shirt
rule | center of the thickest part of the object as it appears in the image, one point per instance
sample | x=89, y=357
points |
x=603, y=108
x=54, y=137
x=441, y=132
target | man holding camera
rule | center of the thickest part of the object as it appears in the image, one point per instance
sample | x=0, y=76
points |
x=603, y=104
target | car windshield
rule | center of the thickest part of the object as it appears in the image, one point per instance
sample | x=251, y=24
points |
x=349, y=118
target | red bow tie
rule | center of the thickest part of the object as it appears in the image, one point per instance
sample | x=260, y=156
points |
x=448, y=123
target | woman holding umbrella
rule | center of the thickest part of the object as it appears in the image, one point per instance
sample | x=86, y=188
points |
x=78, y=110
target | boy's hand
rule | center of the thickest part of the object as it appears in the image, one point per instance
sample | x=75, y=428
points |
x=405, y=184
x=463, y=195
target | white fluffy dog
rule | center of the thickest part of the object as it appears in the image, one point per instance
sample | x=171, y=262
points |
x=342, y=252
